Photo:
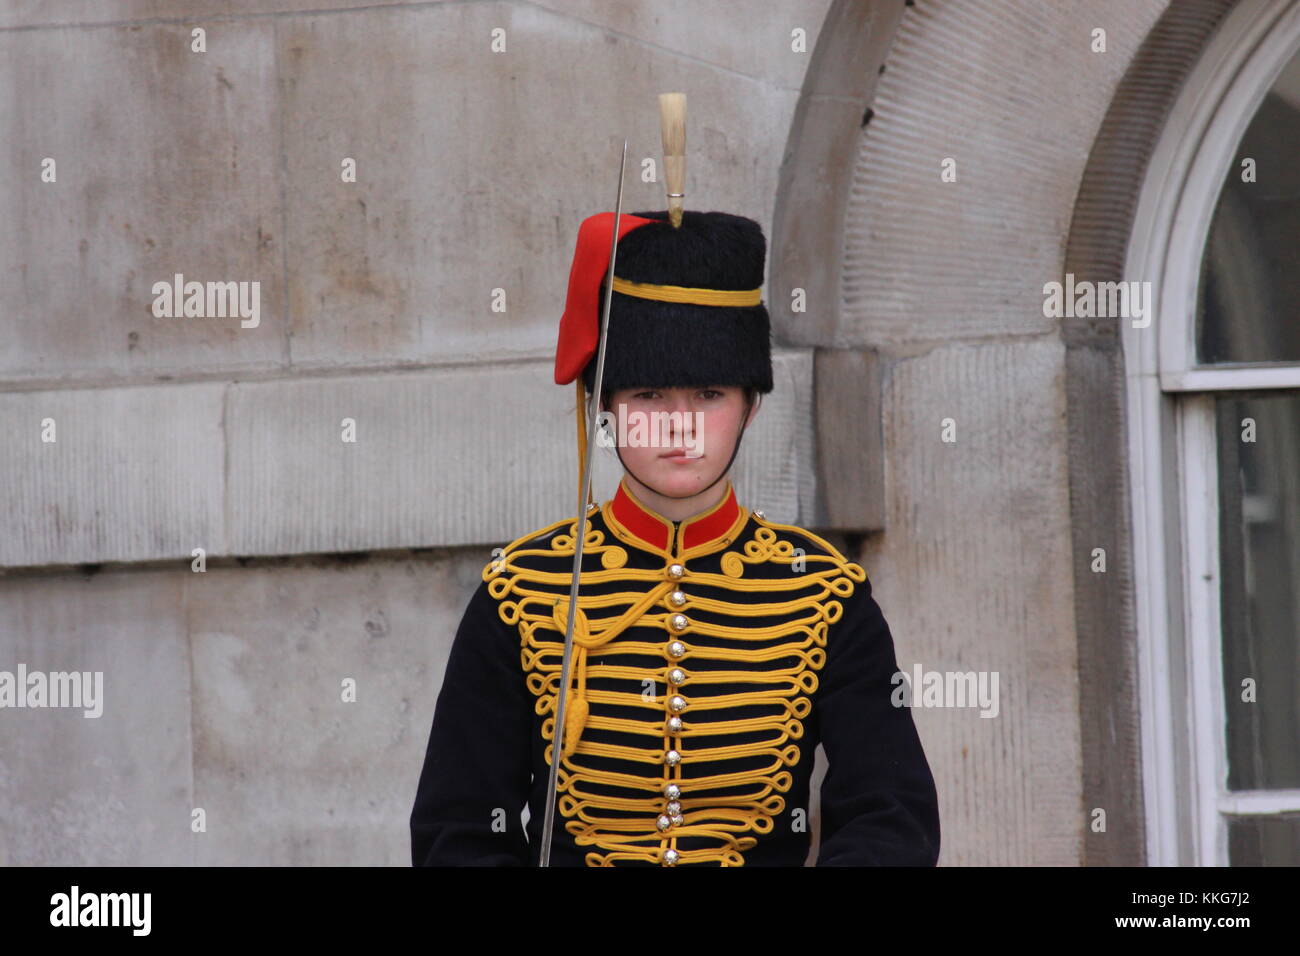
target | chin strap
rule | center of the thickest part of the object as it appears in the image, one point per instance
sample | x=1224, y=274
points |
x=582, y=444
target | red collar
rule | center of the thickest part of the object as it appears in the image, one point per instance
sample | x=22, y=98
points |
x=717, y=526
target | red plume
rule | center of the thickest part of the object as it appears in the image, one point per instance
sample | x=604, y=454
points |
x=580, y=325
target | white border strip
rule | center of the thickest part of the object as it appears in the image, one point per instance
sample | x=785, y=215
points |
x=1201, y=589
x=1230, y=379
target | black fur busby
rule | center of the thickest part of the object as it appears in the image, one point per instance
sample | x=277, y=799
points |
x=655, y=344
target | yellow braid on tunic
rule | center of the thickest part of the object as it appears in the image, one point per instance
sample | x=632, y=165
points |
x=529, y=598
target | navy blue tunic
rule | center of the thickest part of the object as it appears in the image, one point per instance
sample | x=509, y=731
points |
x=711, y=656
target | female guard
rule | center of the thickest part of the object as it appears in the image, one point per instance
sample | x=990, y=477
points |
x=713, y=648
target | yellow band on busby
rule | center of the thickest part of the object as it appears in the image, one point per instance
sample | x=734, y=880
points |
x=735, y=298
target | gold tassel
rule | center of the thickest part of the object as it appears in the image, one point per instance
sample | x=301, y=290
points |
x=576, y=708
x=575, y=718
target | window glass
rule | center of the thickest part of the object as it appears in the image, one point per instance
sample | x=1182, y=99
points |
x=1272, y=840
x=1259, y=559
x=1248, y=303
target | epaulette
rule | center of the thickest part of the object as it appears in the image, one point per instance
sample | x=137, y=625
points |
x=813, y=543
x=533, y=539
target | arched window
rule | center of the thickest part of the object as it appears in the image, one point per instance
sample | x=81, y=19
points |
x=1214, y=439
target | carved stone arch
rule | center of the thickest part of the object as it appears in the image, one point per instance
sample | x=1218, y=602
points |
x=817, y=245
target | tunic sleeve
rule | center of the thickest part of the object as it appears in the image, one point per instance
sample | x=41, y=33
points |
x=477, y=770
x=879, y=806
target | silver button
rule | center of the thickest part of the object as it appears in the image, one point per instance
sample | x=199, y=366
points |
x=673, y=808
x=677, y=703
x=664, y=822
x=679, y=622
x=670, y=858
x=672, y=791
x=677, y=598
x=676, y=649
x=675, y=571
x=759, y=514
x=672, y=758
x=678, y=819
x=676, y=675
x=674, y=725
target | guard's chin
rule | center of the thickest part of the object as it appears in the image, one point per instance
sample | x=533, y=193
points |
x=678, y=478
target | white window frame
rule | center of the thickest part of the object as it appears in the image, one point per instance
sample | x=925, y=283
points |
x=1173, y=464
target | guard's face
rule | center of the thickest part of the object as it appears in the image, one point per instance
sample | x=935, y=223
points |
x=677, y=440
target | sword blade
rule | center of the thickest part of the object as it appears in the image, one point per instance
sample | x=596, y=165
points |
x=579, y=538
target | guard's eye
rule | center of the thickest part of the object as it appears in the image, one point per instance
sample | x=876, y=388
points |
x=709, y=393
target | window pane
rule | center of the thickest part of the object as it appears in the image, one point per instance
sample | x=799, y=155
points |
x=1264, y=841
x=1248, y=307
x=1259, y=561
